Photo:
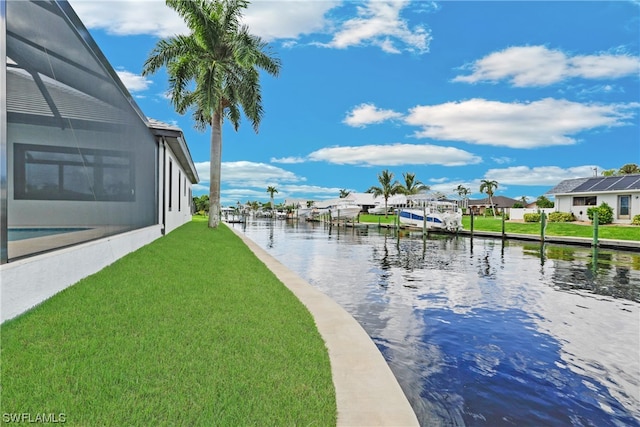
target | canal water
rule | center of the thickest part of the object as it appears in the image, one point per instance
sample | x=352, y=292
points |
x=481, y=332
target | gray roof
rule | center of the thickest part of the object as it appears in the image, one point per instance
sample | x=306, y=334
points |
x=598, y=184
x=567, y=185
x=175, y=138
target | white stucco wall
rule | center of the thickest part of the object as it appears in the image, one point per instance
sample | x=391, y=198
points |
x=27, y=282
x=180, y=212
x=518, y=213
x=564, y=203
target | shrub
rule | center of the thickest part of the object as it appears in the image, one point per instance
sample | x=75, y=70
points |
x=605, y=213
x=561, y=217
x=636, y=220
x=532, y=217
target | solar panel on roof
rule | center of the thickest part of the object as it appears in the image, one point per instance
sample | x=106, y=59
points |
x=586, y=186
x=605, y=184
x=627, y=183
x=617, y=183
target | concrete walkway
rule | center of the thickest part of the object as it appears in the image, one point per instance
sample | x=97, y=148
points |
x=367, y=392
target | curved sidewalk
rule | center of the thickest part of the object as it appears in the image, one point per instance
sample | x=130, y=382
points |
x=367, y=392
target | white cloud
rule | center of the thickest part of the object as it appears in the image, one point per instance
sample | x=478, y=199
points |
x=366, y=114
x=502, y=160
x=248, y=174
x=310, y=189
x=379, y=24
x=288, y=160
x=393, y=155
x=541, y=123
x=540, y=175
x=129, y=17
x=273, y=20
x=540, y=66
x=133, y=82
x=267, y=19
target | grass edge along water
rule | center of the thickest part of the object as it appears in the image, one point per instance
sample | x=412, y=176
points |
x=191, y=329
x=481, y=223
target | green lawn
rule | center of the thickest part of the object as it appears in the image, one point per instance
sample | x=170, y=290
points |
x=377, y=219
x=609, y=231
x=489, y=223
x=189, y=330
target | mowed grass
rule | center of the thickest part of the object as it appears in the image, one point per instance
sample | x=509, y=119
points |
x=377, y=219
x=608, y=231
x=189, y=330
x=489, y=223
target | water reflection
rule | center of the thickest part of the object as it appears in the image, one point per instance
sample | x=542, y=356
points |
x=484, y=332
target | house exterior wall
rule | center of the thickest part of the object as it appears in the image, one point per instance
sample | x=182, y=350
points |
x=76, y=152
x=177, y=191
x=564, y=203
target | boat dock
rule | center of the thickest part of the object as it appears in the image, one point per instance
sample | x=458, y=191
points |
x=626, y=245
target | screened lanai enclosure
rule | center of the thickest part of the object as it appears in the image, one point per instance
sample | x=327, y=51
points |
x=78, y=159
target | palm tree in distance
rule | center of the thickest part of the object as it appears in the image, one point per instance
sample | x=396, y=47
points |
x=214, y=71
x=387, y=187
x=344, y=193
x=271, y=190
x=629, y=168
x=411, y=185
x=463, y=192
x=488, y=187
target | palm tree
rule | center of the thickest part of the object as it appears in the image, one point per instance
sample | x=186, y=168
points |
x=387, y=188
x=629, y=168
x=462, y=191
x=487, y=187
x=271, y=189
x=214, y=71
x=344, y=193
x=411, y=185
x=543, y=202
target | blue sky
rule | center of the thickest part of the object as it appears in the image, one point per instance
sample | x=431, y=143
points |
x=524, y=93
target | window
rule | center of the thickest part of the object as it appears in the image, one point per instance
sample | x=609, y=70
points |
x=179, y=198
x=585, y=201
x=170, y=184
x=44, y=172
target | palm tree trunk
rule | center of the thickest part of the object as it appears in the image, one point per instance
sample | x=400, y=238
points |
x=215, y=160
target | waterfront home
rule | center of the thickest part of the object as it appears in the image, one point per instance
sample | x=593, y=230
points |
x=500, y=203
x=86, y=177
x=621, y=192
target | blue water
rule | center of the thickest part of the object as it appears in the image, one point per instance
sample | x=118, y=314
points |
x=30, y=233
x=482, y=333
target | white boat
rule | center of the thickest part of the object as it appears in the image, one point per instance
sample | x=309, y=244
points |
x=304, y=212
x=281, y=215
x=377, y=210
x=434, y=214
x=315, y=214
x=344, y=211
